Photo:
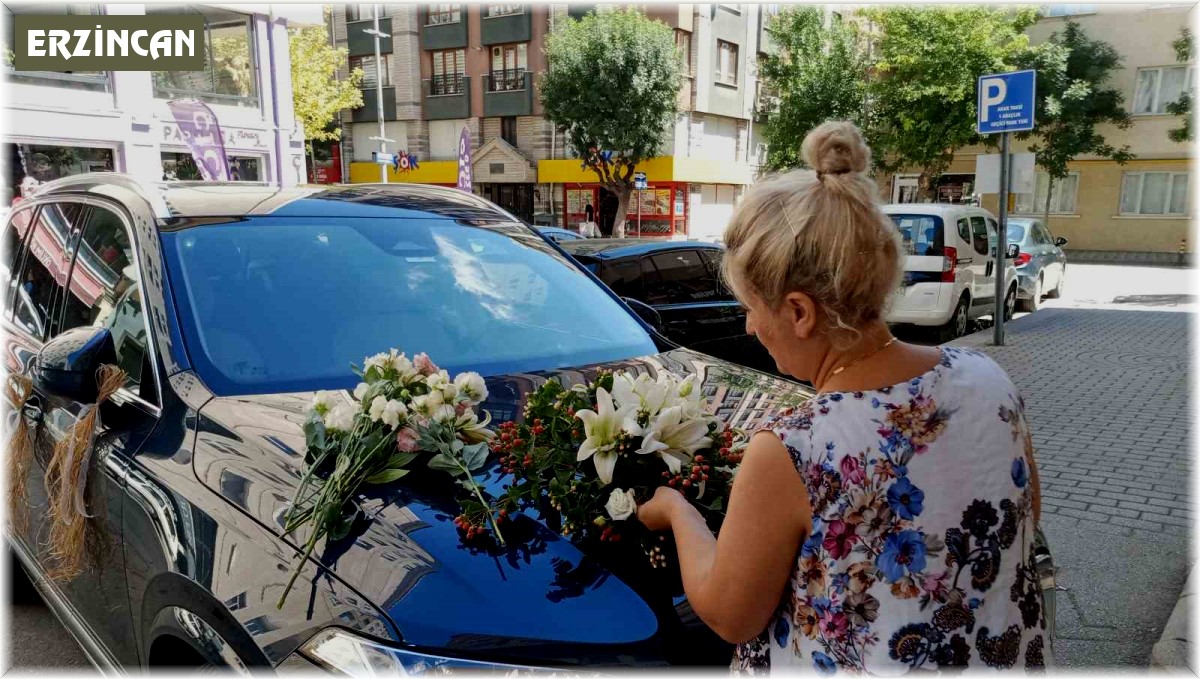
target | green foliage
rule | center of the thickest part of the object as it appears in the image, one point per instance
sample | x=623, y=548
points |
x=317, y=93
x=1183, y=106
x=926, y=64
x=818, y=74
x=1073, y=100
x=613, y=85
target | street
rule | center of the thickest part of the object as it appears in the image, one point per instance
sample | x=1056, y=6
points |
x=1102, y=372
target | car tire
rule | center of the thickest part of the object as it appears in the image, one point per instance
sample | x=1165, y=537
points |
x=1035, y=301
x=957, y=325
x=1010, y=301
x=1057, y=291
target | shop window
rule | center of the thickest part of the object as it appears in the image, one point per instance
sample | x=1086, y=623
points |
x=30, y=165
x=1062, y=197
x=508, y=68
x=365, y=12
x=449, y=66
x=727, y=63
x=91, y=80
x=504, y=10
x=1154, y=193
x=178, y=166
x=371, y=72
x=1159, y=87
x=444, y=14
x=229, y=75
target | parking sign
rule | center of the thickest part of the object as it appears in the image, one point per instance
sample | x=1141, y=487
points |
x=1006, y=102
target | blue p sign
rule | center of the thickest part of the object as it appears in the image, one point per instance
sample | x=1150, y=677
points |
x=1006, y=102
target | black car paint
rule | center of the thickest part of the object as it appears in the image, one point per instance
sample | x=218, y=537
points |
x=189, y=490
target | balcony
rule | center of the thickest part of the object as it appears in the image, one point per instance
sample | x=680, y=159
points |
x=508, y=93
x=367, y=113
x=441, y=30
x=447, y=97
x=765, y=102
x=360, y=44
x=579, y=11
x=506, y=28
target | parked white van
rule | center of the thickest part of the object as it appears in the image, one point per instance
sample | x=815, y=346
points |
x=949, y=269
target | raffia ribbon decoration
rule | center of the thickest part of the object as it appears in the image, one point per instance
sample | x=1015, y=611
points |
x=66, y=480
x=18, y=388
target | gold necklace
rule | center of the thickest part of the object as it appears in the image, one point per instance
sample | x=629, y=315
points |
x=856, y=361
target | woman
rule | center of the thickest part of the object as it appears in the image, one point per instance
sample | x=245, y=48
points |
x=887, y=524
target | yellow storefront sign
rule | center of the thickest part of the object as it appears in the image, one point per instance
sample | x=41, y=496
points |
x=660, y=169
x=427, y=172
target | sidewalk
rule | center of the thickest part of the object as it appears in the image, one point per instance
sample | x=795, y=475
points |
x=1175, y=651
x=1106, y=392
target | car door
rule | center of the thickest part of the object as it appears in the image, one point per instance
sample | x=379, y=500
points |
x=1055, y=259
x=982, y=284
x=101, y=289
x=681, y=288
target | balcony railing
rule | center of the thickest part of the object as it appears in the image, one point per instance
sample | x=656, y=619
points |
x=446, y=85
x=509, y=80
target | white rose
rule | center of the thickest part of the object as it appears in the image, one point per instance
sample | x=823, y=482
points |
x=449, y=393
x=341, y=418
x=377, y=405
x=361, y=391
x=438, y=380
x=428, y=403
x=322, y=402
x=621, y=505
x=393, y=412
x=404, y=367
x=472, y=386
x=444, y=413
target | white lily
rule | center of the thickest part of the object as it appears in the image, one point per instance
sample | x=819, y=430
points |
x=600, y=428
x=690, y=398
x=471, y=429
x=645, y=394
x=674, y=437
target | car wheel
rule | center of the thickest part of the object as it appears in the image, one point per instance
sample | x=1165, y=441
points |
x=1034, y=302
x=957, y=325
x=1057, y=291
x=1010, y=302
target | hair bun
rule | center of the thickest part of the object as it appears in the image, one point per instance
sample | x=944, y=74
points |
x=836, y=147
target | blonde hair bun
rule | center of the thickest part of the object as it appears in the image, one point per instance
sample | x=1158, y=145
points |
x=836, y=147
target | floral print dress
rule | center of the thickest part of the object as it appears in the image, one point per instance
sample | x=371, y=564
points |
x=920, y=556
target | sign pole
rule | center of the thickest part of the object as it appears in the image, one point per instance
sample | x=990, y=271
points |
x=639, y=212
x=1002, y=241
x=383, y=173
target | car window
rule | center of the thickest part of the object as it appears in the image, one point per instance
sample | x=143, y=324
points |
x=979, y=235
x=15, y=231
x=45, y=268
x=1043, y=234
x=964, y=230
x=683, y=278
x=104, y=291
x=1016, y=233
x=712, y=257
x=624, y=276
x=993, y=234
x=921, y=234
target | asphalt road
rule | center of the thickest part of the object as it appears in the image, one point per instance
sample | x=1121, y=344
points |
x=37, y=643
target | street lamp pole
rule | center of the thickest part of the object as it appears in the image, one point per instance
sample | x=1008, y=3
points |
x=382, y=138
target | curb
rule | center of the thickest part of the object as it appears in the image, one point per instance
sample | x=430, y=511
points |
x=1174, y=649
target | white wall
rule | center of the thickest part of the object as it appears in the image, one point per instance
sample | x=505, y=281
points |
x=443, y=138
x=361, y=133
x=711, y=209
x=718, y=140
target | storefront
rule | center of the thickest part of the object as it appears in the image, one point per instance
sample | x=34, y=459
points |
x=245, y=149
x=663, y=209
x=28, y=165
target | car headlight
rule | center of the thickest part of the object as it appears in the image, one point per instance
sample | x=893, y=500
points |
x=342, y=651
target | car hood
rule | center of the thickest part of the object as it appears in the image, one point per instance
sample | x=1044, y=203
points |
x=538, y=599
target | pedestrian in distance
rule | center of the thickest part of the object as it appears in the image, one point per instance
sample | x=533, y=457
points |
x=887, y=524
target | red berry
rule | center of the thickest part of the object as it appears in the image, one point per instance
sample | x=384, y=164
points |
x=687, y=483
x=666, y=475
x=616, y=537
x=699, y=458
x=705, y=468
x=705, y=477
x=671, y=483
x=503, y=513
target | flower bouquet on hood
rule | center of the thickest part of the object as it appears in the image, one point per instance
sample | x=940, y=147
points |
x=404, y=412
x=588, y=455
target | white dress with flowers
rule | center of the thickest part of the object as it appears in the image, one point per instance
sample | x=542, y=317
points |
x=921, y=555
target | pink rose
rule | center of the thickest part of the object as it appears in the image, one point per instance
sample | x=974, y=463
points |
x=424, y=364
x=462, y=408
x=406, y=440
x=852, y=471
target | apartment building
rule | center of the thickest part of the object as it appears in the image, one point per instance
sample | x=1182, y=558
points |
x=60, y=124
x=1140, y=210
x=450, y=66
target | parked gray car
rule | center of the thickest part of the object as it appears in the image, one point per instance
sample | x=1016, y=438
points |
x=1041, y=264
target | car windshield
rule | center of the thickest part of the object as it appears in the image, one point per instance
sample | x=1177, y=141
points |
x=922, y=234
x=1016, y=233
x=269, y=304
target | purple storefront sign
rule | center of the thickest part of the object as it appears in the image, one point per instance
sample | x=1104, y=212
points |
x=199, y=127
x=464, y=160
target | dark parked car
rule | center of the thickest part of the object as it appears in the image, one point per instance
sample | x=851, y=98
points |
x=559, y=235
x=680, y=282
x=229, y=306
x=1041, y=263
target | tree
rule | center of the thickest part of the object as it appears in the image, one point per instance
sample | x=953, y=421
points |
x=817, y=74
x=1182, y=106
x=317, y=93
x=1072, y=100
x=926, y=64
x=613, y=85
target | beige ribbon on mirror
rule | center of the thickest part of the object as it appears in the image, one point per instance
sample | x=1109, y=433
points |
x=18, y=388
x=66, y=480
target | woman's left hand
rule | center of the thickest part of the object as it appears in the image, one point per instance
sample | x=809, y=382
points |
x=656, y=512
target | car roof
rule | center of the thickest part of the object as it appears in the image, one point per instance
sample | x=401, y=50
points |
x=196, y=200
x=926, y=208
x=611, y=248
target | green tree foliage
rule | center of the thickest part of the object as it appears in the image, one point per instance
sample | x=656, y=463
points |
x=613, y=85
x=816, y=74
x=1072, y=101
x=922, y=89
x=1183, y=106
x=317, y=93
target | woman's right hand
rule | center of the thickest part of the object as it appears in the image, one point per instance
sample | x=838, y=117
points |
x=658, y=512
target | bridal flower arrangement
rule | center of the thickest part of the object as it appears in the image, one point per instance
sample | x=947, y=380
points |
x=584, y=457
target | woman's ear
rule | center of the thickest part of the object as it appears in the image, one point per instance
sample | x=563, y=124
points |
x=801, y=313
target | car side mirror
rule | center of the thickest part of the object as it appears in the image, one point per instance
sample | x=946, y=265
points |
x=646, y=312
x=1060, y=241
x=66, y=366
x=1013, y=250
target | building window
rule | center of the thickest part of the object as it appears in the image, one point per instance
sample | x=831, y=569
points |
x=1062, y=198
x=1154, y=193
x=727, y=63
x=1158, y=87
x=508, y=129
x=508, y=68
x=229, y=74
x=444, y=14
x=364, y=12
x=683, y=41
x=448, y=69
x=504, y=10
x=28, y=165
x=1068, y=10
x=371, y=73
x=90, y=80
x=179, y=166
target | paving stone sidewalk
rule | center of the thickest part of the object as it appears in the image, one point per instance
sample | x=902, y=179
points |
x=1106, y=392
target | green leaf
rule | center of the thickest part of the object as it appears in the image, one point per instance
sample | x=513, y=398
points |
x=401, y=460
x=717, y=504
x=475, y=455
x=314, y=433
x=386, y=476
x=445, y=463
